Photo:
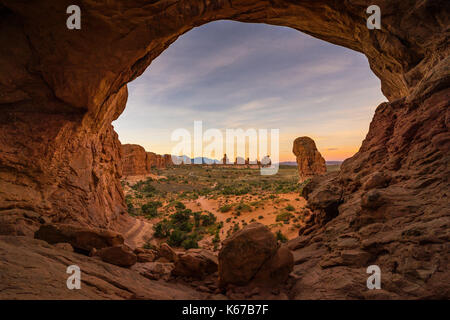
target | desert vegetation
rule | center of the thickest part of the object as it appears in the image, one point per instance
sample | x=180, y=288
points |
x=199, y=206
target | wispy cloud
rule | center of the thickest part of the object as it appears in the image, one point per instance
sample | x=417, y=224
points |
x=236, y=75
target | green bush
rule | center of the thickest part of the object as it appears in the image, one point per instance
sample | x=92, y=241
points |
x=284, y=216
x=162, y=229
x=181, y=216
x=179, y=205
x=243, y=207
x=197, y=218
x=185, y=226
x=225, y=208
x=280, y=236
x=289, y=208
x=216, y=238
x=150, y=209
x=208, y=219
x=189, y=243
x=176, y=238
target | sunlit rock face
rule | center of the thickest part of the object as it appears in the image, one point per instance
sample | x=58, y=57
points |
x=60, y=90
x=310, y=162
x=136, y=161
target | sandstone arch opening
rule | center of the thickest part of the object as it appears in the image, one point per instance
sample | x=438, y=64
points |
x=81, y=110
x=255, y=76
x=233, y=75
x=81, y=102
x=61, y=90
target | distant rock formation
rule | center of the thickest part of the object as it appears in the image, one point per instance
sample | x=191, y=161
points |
x=309, y=160
x=136, y=161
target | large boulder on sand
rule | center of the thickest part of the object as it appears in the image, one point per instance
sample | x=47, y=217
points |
x=252, y=251
x=196, y=263
x=83, y=238
x=309, y=160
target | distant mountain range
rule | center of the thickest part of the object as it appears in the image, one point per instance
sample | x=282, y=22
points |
x=293, y=163
x=202, y=160
x=205, y=160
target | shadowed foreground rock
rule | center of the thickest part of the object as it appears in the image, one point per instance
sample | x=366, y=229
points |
x=196, y=263
x=79, y=237
x=32, y=269
x=121, y=256
x=252, y=255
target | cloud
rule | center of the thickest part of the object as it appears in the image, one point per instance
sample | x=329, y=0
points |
x=237, y=75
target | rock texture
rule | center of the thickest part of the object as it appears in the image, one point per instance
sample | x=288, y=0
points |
x=60, y=90
x=166, y=252
x=252, y=255
x=34, y=269
x=60, y=156
x=136, y=161
x=154, y=270
x=79, y=237
x=195, y=263
x=388, y=205
x=309, y=160
x=121, y=255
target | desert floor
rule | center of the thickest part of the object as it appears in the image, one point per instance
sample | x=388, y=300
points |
x=200, y=206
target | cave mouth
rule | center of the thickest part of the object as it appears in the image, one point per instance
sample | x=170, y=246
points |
x=234, y=75
x=60, y=155
x=62, y=152
x=230, y=74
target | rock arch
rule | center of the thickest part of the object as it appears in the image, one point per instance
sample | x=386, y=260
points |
x=60, y=90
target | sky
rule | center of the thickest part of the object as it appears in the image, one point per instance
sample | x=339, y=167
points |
x=232, y=75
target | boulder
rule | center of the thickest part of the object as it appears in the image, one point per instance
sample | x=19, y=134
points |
x=309, y=160
x=372, y=200
x=146, y=255
x=121, y=255
x=243, y=254
x=196, y=263
x=154, y=270
x=276, y=270
x=64, y=246
x=82, y=238
x=32, y=269
x=377, y=180
x=166, y=252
